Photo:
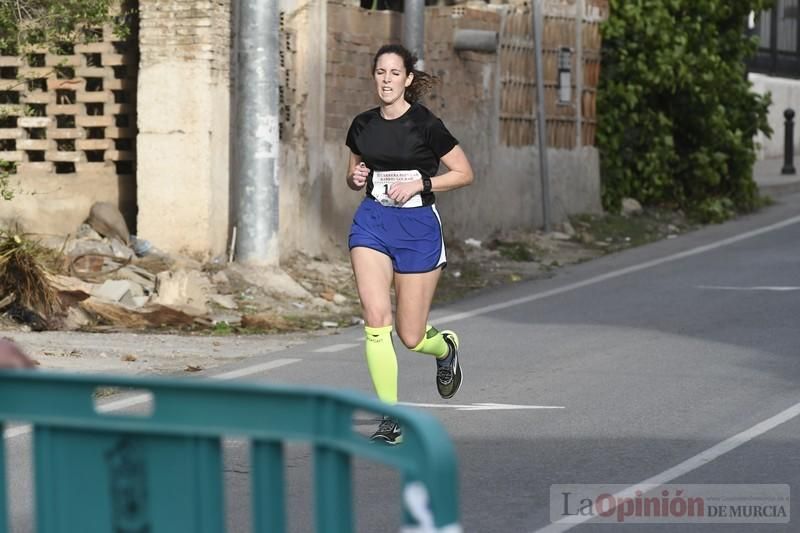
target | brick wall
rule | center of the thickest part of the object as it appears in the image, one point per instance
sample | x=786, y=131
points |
x=354, y=34
x=188, y=30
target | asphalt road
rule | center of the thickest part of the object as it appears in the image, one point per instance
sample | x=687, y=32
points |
x=677, y=363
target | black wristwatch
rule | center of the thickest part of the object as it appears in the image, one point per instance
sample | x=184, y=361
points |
x=426, y=185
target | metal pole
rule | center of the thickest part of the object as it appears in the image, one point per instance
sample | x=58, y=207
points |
x=255, y=135
x=541, y=115
x=414, y=29
x=788, y=145
x=773, y=40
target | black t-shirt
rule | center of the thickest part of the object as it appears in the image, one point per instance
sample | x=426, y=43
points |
x=416, y=140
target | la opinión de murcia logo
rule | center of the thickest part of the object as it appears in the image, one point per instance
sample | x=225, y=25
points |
x=670, y=504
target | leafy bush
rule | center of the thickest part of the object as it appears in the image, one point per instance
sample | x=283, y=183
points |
x=49, y=23
x=677, y=116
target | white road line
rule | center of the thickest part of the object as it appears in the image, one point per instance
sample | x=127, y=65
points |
x=617, y=273
x=480, y=406
x=727, y=288
x=693, y=463
x=255, y=369
x=124, y=403
x=336, y=347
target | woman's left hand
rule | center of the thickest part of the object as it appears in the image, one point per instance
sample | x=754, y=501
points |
x=402, y=192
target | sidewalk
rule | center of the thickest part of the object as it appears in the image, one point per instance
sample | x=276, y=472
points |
x=771, y=182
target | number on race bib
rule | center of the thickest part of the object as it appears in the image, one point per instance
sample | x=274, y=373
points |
x=381, y=181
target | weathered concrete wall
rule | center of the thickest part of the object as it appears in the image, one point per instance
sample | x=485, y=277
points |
x=305, y=180
x=48, y=204
x=184, y=103
x=785, y=94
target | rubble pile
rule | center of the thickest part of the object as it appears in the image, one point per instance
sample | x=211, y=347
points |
x=110, y=279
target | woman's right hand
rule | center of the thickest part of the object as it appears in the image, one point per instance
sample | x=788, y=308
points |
x=359, y=176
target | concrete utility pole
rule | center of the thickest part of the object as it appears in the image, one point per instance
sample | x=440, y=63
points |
x=414, y=29
x=256, y=140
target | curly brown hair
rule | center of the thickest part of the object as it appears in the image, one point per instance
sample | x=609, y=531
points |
x=422, y=82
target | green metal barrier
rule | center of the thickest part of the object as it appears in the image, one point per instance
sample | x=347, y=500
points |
x=101, y=472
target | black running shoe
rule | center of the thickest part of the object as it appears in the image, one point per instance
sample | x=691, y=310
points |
x=448, y=375
x=388, y=432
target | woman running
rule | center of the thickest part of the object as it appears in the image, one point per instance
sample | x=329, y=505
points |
x=397, y=233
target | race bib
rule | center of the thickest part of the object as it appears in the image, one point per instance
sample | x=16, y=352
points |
x=381, y=181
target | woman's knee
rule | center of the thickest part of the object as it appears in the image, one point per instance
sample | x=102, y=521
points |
x=409, y=337
x=377, y=318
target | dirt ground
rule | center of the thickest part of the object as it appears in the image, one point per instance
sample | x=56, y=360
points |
x=278, y=319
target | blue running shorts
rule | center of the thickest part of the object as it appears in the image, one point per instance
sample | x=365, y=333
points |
x=411, y=237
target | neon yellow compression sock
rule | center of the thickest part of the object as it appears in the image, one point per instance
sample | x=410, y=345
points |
x=432, y=344
x=382, y=362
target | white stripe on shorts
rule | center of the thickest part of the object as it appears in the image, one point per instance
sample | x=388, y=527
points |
x=443, y=256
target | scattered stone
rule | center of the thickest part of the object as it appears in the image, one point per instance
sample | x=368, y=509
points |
x=177, y=261
x=129, y=358
x=232, y=319
x=140, y=301
x=264, y=321
x=475, y=243
x=120, y=250
x=76, y=318
x=223, y=300
x=322, y=303
x=77, y=247
x=114, y=290
x=220, y=278
x=106, y=220
x=338, y=299
x=328, y=294
x=329, y=324
x=139, y=276
x=273, y=281
x=85, y=231
x=567, y=228
x=559, y=236
x=193, y=368
x=152, y=315
x=631, y=206
x=186, y=290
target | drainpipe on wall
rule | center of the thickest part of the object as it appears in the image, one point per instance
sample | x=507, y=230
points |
x=414, y=29
x=541, y=115
x=255, y=132
x=579, y=12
